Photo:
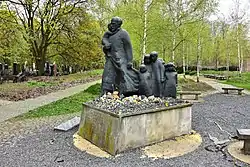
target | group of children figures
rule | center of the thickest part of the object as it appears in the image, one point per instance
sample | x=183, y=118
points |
x=157, y=78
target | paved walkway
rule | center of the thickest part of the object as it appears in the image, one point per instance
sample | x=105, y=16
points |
x=17, y=108
x=216, y=85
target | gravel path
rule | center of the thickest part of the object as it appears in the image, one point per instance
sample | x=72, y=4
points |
x=44, y=147
x=17, y=108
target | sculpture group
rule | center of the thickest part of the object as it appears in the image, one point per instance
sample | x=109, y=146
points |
x=153, y=78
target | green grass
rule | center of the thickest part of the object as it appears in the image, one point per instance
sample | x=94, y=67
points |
x=225, y=73
x=242, y=81
x=10, y=88
x=65, y=106
x=74, y=103
x=39, y=84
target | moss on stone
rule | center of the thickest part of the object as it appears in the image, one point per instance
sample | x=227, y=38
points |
x=109, y=139
x=88, y=130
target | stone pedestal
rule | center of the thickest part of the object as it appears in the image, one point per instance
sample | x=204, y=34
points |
x=116, y=133
x=244, y=134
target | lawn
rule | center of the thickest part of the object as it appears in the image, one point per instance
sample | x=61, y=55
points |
x=37, y=86
x=225, y=73
x=74, y=103
x=67, y=105
x=242, y=81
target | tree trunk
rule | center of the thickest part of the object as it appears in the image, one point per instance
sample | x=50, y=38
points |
x=173, y=48
x=238, y=49
x=40, y=58
x=228, y=60
x=242, y=60
x=183, y=59
x=198, y=57
x=144, y=34
x=187, y=63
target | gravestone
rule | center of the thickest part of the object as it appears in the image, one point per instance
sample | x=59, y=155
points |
x=51, y=70
x=47, y=68
x=6, y=66
x=15, y=69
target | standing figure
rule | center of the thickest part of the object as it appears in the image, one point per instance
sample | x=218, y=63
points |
x=148, y=63
x=145, y=84
x=170, y=83
x=118, y=72
x=157, y=74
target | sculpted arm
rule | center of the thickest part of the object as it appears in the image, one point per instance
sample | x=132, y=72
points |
x=105, y=40
x=127, y=47
x=162, y=72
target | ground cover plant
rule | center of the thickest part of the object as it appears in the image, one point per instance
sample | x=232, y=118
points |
x=41, y=85
x=242, y=81
x=74, y=103
x=66, y=105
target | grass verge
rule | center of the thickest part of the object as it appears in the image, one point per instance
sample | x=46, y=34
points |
x=66, y=105
x=74, y=103
x=9, y=88
x=242, y=81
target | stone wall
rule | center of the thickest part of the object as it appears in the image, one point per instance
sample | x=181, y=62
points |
x=116, y=133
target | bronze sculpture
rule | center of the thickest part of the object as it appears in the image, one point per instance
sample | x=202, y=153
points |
x=157, y=74
x=118, y=71
x=119, y=74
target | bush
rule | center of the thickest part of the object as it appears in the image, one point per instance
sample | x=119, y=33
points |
x=192, y=73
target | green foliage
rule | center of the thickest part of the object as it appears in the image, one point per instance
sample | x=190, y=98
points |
x=39, y=84
x=242, y=81
x=13, y=46
x=67, y=105
x=71, y=34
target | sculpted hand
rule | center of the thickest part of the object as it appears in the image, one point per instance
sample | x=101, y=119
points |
x=107, y=46
x=129, y=65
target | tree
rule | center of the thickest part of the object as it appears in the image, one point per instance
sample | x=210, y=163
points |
x=43, y=21
x=13, y=47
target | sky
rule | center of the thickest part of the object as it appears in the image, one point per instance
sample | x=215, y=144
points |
x=226, y=6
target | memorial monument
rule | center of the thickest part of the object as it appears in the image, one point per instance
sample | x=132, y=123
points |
x=141, y=114
x=118, y=71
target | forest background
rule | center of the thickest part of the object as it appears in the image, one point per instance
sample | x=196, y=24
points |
x=69, y=32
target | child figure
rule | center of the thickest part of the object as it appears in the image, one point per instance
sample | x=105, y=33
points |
x=145, y=83
x=170, y=82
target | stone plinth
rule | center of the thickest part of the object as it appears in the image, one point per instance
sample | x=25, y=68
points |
x=116, y=133
x=244, y=134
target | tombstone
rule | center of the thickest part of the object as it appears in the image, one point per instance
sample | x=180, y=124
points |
x=51, y=70
x=47, y=67
x=70, y=70
x=15, y=69
x=6, y=67
x=1, y=69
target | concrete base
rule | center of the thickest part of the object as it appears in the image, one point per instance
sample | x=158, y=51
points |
x=235, y=149
x=116, y=133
